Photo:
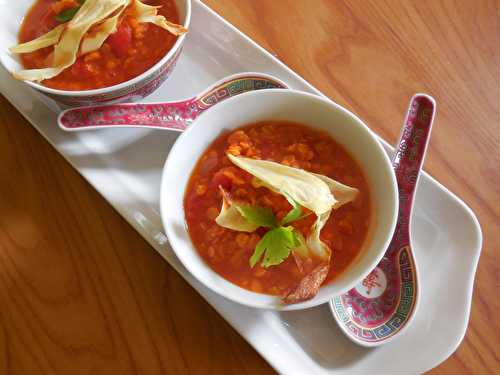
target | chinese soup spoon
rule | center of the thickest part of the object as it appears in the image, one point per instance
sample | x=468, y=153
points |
x=384, y=303
x=167, y=115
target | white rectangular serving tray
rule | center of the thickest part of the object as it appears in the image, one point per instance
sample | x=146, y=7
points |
x=125, y=167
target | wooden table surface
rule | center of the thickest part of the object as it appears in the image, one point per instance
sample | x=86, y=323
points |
x=95, y=298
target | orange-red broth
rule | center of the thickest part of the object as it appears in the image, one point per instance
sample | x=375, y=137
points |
x=228, y=251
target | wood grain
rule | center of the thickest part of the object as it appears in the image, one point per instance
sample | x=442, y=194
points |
x=81, y=292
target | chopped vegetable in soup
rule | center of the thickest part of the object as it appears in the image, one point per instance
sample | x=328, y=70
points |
x=278, y=208
x=90, y=44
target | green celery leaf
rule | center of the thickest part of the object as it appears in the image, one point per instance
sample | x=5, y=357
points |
x=275, y=246
x=261, y=216
x=67, y=14
x=259, y=250
x=294, y=213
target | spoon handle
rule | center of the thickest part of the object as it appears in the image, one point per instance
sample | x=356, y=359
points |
x=409, y=157
x=167, y=115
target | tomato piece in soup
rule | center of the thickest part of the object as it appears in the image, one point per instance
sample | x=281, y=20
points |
x=121, y=40
x=220, y=179
x=81, y=69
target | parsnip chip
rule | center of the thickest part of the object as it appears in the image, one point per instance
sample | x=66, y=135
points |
x=313, y=242
x=148, y=13
x=343, y=194
x=99, y=33
x=46, y=40
x=230, y=216
x=302, y=186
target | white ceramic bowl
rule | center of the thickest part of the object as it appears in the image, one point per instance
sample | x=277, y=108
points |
x=287, y=105
x=11, y=16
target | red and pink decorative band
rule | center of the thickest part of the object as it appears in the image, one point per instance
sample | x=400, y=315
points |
x=167, y=115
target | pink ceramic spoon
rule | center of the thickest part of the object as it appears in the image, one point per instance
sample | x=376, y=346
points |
x=384, y=303
x=168, y=115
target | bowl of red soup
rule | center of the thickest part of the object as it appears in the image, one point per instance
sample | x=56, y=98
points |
x=279, y=199
x=84, y=52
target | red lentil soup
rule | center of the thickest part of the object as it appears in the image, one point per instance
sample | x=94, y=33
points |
x=130, y=51
x=228, y=251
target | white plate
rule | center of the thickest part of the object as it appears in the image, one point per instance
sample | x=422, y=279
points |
x=125, y=167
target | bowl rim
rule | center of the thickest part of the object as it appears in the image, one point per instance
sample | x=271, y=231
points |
x=240, y=298
x=105, y=90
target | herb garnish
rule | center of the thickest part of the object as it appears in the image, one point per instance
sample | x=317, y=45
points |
x=275, y=246
x=68, y=14
x=261, y=216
